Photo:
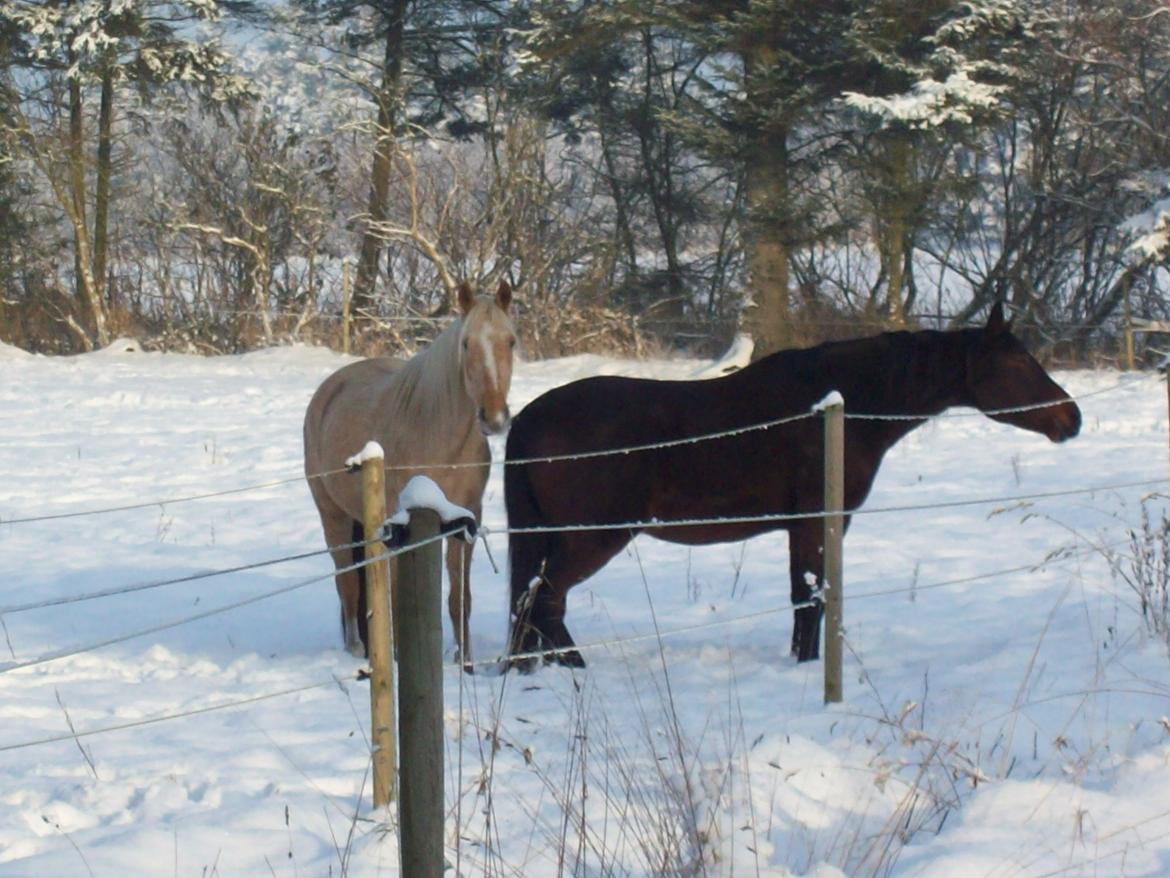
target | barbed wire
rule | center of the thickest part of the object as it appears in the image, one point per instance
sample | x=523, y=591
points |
x=779, y=517
x=597, y=645
x=147, y=721
x=589, y=455
x=979, y=413
x=815, y=601
x=631, y=525
x=913, y=321
x=179, y=580
x=148, y=504
x=69, y=652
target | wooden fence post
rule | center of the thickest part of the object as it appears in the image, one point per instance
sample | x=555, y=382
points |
x=345, y=306
x=1128, y=317
x=379, y=630
x=834, y=410
x=420, y=698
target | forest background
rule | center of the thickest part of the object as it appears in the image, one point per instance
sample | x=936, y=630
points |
x=216, y=176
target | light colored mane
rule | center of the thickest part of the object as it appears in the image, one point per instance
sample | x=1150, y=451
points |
x=431, y=409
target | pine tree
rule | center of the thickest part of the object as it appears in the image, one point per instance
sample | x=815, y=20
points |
x=431, y=59
x=933, y=75
x=61, y=54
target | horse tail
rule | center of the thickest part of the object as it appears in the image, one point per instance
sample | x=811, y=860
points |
x=358, y=538
x=526, y=551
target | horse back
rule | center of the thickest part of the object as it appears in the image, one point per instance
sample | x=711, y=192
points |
x=341, y=418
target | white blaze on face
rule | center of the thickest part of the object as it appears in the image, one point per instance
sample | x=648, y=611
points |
x=487, y=370
x=489, y=357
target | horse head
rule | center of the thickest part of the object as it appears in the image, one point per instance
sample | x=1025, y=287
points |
x=487, y=340
x=1005, y=382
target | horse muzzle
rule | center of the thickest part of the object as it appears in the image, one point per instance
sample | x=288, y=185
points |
x=495, y=423
x=1067, y=424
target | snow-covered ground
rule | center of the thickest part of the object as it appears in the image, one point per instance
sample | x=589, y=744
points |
x=1003, y=725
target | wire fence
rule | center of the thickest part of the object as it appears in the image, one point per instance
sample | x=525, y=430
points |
x=778, y=518
x=501, y=661
x=68, y=652
x=182, y=714
x=581, y=456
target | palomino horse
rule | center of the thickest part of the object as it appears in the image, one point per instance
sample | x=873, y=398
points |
x=428, y=413
x=763, y=472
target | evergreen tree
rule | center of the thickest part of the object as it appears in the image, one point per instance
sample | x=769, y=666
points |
x=936, y=76
x=62, y=54
x=423, y=65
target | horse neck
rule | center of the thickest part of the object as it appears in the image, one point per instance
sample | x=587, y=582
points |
x=431, y=394
x=915, y=374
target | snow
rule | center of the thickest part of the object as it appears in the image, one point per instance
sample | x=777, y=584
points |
x=422, y=493
x=1006, y=724
x=1151, y=231
x=930, y=103
x=832, y=399
x=10, y=352
x=371, y=451
x=738, y=355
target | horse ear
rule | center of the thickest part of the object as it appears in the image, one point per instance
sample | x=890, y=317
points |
x=504, y=295
x=466, y=297
x=996, y=325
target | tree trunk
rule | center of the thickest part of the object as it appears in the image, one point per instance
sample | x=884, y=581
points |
x=766, y=318
x=893, y=229
x=101, y=198
x=87, y=291
x=389, y=106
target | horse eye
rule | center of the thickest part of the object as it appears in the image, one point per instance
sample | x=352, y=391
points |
x=511, y=342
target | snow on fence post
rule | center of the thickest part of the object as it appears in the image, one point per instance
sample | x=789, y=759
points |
x=833, y=407
x=379, y=629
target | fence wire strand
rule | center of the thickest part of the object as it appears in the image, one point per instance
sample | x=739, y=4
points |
x=197, y=711
x=1051, y=558
x=633, y=449
x=178, y=580
x=780, y=517
x=68, y=652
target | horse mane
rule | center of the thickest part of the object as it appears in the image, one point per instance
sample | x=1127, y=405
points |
x=427, y=391
x=898, y=372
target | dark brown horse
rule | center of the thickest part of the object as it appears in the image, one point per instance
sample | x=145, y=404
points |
x=778, y=470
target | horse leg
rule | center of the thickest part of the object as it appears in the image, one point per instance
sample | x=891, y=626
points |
x=393, y=574
x=807, y=571
x=459, y=596
x=539, y=613
x=340, y=531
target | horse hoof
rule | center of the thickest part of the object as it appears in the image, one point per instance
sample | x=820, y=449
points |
x=465, y=663
x=525, y=666
x=570, y=658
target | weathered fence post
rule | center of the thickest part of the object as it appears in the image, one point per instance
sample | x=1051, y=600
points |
x=379, y=630
x=420, y=697
x=1128, y=317
x=345, y=306
x=834, y=409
